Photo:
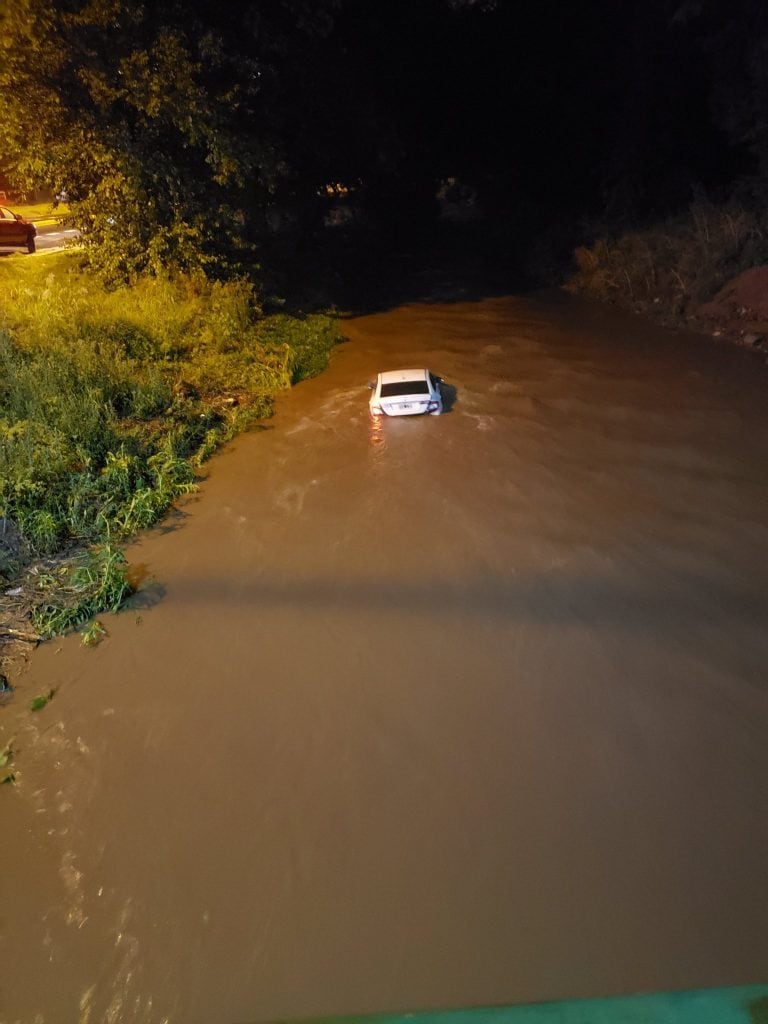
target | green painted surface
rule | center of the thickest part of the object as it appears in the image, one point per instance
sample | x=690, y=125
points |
x=745, y=1005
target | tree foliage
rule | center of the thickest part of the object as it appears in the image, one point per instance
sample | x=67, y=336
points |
x=733, y=45
x=163, y=121
x=185, y=130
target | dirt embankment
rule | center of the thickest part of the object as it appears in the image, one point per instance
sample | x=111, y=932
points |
x=739, y=311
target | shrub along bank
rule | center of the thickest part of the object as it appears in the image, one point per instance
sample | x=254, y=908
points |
x=671, y=268
x=109, y=401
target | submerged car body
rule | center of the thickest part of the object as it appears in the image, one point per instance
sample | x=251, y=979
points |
x=406, y=393
x=15, y=230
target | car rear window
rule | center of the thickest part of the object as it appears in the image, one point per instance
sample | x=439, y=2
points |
x=404, y=387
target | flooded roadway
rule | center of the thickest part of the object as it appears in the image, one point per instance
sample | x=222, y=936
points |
x=423, y=713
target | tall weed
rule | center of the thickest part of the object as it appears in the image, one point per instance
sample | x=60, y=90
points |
x=676, y=265
x=109, y=400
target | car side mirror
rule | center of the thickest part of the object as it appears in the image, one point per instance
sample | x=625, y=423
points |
x=370, y=385
x=18, y=216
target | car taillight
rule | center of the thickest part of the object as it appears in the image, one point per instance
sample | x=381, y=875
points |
x=376, y=410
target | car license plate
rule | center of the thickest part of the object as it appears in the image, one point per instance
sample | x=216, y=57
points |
x=405, y=405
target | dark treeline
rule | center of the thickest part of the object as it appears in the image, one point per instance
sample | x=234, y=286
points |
x=195, y=133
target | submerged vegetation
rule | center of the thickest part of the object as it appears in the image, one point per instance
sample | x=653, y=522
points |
x=39, y=702
x=110, y=400
x=6, y=757
x=76, y=590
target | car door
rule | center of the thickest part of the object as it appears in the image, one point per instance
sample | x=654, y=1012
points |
x=12, y=232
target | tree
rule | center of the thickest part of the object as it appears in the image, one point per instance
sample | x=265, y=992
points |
x=164, y=122
x=733, y=45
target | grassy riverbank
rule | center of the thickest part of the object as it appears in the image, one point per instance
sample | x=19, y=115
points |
x=110, y=401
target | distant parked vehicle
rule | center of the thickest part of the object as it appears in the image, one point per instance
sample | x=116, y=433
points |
x=406, y=393
x=16, y=231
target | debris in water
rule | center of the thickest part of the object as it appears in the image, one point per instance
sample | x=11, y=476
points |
x=93, y=634
x=41, y=701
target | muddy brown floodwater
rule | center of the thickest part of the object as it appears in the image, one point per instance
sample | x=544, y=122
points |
x=424, y=713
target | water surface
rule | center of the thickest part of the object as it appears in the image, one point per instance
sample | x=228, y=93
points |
x=423, y=713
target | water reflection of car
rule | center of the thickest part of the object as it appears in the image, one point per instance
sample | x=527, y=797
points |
x=406, y=393
x=15, y=230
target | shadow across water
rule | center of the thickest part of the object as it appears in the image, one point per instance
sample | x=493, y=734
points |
x=147, y=595
x=549, y=598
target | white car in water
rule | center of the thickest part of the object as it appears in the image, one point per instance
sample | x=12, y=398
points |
x=406, y=393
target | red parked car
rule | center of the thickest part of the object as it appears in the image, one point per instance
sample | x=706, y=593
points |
x=15, y=230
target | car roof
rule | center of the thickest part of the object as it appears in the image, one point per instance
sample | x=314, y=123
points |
x=390, y=376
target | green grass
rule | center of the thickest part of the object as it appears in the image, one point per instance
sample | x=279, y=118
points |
x=37, y=211
x=110, y=400
x=78, y=589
